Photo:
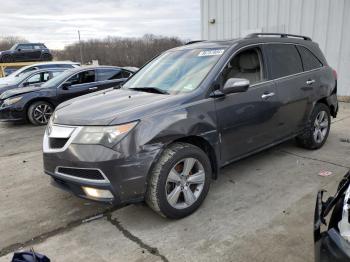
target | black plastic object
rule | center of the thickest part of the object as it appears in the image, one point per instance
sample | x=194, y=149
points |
x=29, y=256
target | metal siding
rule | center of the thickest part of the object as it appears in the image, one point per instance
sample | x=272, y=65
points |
x=327, y=22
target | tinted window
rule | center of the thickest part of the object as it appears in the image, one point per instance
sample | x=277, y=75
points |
x=246, y=64
x=24, y=47
x=310, y=61
x=56, y=66
x=284, y=60
x=83, y=77
x=108, y=74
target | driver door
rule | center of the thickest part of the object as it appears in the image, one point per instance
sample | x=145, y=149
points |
x=247, y=121
x=79, y=84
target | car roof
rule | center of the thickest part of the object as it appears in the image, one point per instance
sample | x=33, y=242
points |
x=83, y=68
x=249, y=39
x=56, y=62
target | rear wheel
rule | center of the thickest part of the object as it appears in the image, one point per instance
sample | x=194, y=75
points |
x=40, y=112
x=46, y=57
x=179, y=182
x=317, y=133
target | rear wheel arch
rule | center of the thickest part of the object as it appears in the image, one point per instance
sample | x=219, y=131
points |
x=324, y=101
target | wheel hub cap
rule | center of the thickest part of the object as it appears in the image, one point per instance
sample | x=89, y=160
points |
x=321, y=126
x=185, y=183
x=42, y=113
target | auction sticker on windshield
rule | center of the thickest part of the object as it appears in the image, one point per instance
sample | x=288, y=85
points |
x=211, y=52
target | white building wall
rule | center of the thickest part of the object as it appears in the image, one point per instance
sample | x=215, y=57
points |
x=326, y=21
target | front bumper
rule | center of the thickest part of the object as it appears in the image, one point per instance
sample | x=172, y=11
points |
x=124, y=174
x=12, y=114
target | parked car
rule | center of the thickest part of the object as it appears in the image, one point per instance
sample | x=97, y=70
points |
x=23, y=52
x=333, y=243
x=45, y=65
x=36, y=104
x=9, y=71
x=36, y=77
x=192, y=110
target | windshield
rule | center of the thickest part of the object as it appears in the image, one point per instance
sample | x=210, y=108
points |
x=57, y=79
x=175, y=71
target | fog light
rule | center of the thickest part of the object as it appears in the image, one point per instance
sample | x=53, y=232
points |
x=97, y=193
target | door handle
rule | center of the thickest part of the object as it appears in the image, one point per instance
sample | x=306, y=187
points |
x=310, y=82
x=93, y=88
x=268, y=95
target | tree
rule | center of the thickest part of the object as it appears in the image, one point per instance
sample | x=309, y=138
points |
x=119, y=51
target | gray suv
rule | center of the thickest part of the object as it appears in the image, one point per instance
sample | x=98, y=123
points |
x=164, y=135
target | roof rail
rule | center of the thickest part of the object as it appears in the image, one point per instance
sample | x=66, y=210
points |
x=282, y=35
x=193, y=42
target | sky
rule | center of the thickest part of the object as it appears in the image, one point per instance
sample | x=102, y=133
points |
x=56, y=22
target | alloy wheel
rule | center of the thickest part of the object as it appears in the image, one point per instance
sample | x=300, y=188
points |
x=321, y=126
x=42, y=113
x=185, y=183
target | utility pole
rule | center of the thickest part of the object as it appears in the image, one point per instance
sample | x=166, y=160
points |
x=81, y=49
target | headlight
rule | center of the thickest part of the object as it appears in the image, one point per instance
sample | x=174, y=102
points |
x=103, y=135
x=11, y=101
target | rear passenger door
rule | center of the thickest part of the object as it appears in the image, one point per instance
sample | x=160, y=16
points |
x=286, y=70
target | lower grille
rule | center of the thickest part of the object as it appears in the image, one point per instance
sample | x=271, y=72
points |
x=84, y=173
x=57, y=142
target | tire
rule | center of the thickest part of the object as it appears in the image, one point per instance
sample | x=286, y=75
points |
x=40, y=112
x=190, y=190
x=317, y=132
x=6, y=59
x=46, y=57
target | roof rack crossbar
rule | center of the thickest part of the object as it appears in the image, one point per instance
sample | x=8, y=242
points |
x=282, y=35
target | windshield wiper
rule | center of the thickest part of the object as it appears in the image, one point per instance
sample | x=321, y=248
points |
x=150, y=90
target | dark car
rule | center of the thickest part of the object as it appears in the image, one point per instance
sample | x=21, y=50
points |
x=333, y=243
x=26, y=52
x=36, y=104
x=192, y=110
x=36, y=77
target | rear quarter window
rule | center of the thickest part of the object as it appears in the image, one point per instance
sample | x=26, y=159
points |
x=310, y=61
x=284, y=60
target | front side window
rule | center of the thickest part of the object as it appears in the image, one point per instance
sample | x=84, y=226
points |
x=176, y=72
x=82, y=78
x=38, y=78
x=25, y=47
x=246, y=64
x=310, y=61
x=284, y=60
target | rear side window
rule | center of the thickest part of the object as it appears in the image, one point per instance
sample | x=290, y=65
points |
x=310, y=61
x=110, y=74
x=284, y=60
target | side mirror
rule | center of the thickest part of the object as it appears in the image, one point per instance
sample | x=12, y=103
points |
x=235, y=85
x=19, y=49
x=25, y=84
x=66, y=85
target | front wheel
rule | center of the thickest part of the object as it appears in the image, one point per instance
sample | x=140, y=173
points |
x=39, y=113
x=317, y=133
x=179, y=181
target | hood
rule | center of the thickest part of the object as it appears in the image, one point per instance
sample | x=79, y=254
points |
x=8, y=92
x=5, y=87
x=113, y=106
